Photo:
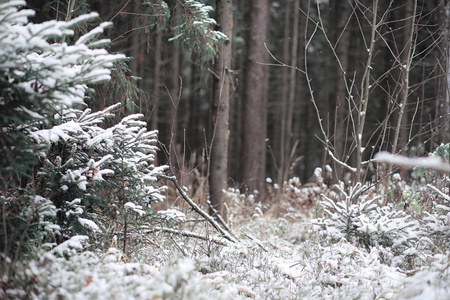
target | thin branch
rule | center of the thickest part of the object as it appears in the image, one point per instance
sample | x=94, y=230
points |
x=254, y=240
x=187, y=234
x=280, y=63
x=446, y=197
x=198, y=209
x=351, y=169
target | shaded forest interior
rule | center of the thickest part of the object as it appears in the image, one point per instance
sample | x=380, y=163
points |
x=322, y=60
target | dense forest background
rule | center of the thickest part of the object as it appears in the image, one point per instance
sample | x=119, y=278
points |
x=311, y=63
x=258, y=149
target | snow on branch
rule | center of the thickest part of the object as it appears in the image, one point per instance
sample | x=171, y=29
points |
x=433, y=162
x=343, y=164
x=444, y=196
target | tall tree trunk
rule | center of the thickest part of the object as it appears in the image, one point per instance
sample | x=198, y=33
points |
x=135, y=52
x=174, y=98
x=442, y=70
x=338, y=101
x=447, y=66
x=173, y=90
x=252, y=130
x=156, y=81
x=365, y=92
x=280, y=129
x=220, y=109
x=292, y=89
x=401, y=138
x=406, y=57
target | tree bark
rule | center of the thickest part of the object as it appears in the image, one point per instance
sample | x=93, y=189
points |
x=365, y=91
x=156, y=81
x=292, y=89
x=173, y=96
x=447, y=66
x=442, y=70
x=401, y=138
x=253, y=102
x=338, y=101
x=280, y=129
x=220, y=109
x=135, y=50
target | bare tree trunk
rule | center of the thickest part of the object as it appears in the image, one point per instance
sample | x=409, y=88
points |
x=399, y=137
x=339, y=101
x=442, y=70
x=406, y=63
x=135, y=51
x=280, y=130
x=252, y=130
x=365, y=91
x=447, y=65
x=292, y=88
x=220, y=109
x=156, y=81
x=174, y=97
x=173, y=90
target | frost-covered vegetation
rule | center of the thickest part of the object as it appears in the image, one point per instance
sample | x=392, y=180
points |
x=80, y=216
x=291, y=249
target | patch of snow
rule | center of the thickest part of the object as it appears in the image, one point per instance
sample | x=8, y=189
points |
x=89, y=224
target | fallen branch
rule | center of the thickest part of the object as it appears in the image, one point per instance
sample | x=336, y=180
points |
x=254, y=240
x=187, y=234
x=198, y=209
x=219, y=217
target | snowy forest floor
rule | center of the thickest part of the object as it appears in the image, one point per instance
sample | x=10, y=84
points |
x=296, y=248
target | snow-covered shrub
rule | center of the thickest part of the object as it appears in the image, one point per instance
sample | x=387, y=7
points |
x=390, y=228
x=61, y=165
x=27, y=221
x=344, y=216
x=342, y=271
x=434, y=200
x=40, y=76
x=428, y=283
x=100, y=177
x=366, y=223
x=273, y=264
x=66, y=272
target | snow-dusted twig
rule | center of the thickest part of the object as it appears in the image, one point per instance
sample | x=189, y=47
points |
x=446, y=197
x=198, y=209
x=187, y=234
x=338, y=161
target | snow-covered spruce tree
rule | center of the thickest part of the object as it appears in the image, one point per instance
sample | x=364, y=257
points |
x=55, y=156
x=365, y=223
x=100, y=179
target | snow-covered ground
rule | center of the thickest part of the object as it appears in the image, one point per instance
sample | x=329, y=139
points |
x=286, y=250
